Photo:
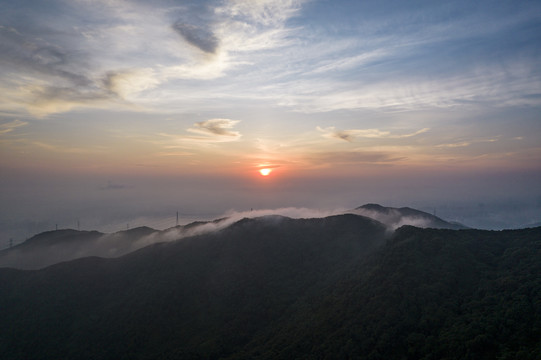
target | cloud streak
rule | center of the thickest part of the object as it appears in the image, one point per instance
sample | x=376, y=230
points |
x=333, y=158
x=11, y=126
x=215, y=130
x=235, y=33
x=352, y=134
x=129, y=82
x=112, y=61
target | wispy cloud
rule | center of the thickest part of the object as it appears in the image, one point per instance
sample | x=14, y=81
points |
x=40, y=100
x=44, y=77
x=492, y=84
x=174, y=153
x=61, y=148
x=316, y=73
x=126, y=48
x=127, y=82
x=32, y=55
x=265, y=12
x=215, y=130
x=466, y=143
x=349, y=62
x=10, y=126
x=352, y=134
x=352, y=157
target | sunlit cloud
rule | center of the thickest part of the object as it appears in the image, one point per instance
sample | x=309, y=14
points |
x=265, y=12
x=66, y=148
x=234, y=33
x=405, y=92
x=54, y=75
x=460, y=144
x=352, y=134
x=353, y=157
x=173, y=153
x=349, y=62
x=200, y=70
x=41, y=100
x=214, y=130
x=128, y=82
x=218, y=127
x=10, y=126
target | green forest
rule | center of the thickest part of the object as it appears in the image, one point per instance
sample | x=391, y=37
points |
x=340, y=287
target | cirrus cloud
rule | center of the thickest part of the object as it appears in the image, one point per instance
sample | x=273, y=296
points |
x=350, y=135
x=215, y=130
x=10, y=126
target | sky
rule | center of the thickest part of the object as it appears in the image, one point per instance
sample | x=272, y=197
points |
x=116, y=110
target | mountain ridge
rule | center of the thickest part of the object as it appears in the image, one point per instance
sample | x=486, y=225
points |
x=51, y=247
x=396, y=217
x=240, y=275
x=280, y=288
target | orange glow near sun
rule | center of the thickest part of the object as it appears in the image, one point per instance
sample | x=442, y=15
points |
x=265, y=172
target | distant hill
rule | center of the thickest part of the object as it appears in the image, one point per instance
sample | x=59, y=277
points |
x=52, y=247
x=280, y=288
x=59, y=237
x=397, y=217
x=48, y=248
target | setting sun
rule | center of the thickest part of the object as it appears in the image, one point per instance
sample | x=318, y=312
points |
x=265, y=172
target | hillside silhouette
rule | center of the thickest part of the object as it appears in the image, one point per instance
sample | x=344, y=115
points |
x=278, y=288
x=52, y=247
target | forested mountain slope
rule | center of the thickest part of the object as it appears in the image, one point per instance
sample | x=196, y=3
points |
x=278, y=288
x=428, y=294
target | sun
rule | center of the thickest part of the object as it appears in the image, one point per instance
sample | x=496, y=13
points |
x=265, y=172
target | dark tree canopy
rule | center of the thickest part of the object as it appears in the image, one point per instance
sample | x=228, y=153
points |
x=278, y=288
